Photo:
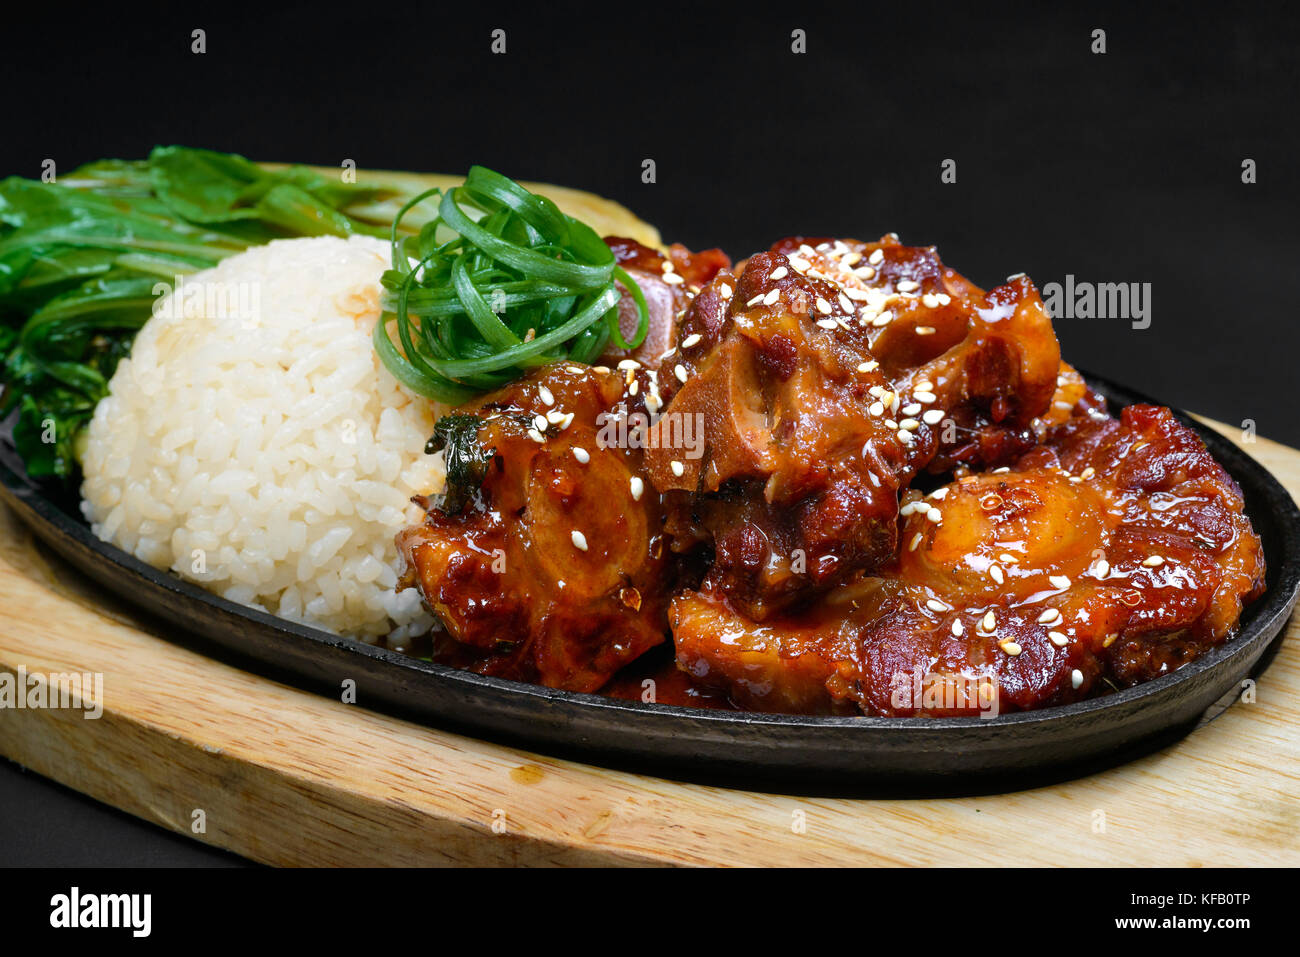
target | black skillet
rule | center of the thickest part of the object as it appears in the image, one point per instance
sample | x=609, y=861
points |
x=809, y=754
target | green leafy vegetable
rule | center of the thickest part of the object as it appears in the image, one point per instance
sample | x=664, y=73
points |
x=467, y=460
x=499, y=282
x=80, y=261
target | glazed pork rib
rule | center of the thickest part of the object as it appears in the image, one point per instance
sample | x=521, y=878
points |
x=823, y=378
x=545, y=558
x=1115, y=552
x=764, y=500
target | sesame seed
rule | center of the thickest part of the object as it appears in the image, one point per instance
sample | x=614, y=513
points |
x=989, y=621
x=691, y=340
x=540, y=423
x=677, y=467
x=877, y=409
x=940, y=493
x=1049, y=616
x=909, y=425
x=1058, y=639
x=555, y=417
x=932, y=416
x=906, y=439
x=652, y=403
x=923, y=396
x=935, y=604
x=1059, y=581
x=1011, y=648
x=1088, y=473
x=1101, y=569
x=780, y=272
x=576, y=370
x=1155, y=561
x=916, y=540
x=638, y=487
x=930, y=300
x=884, y=319
x=957, y=628
x=628, y=365
x=581, y=454
x=536, y=436
x=756, y=300
x=912, y=408
x=827, y=323
x=907, y=285
x=547, y=397
x=995, y=572
x=845, y=304
x=772, y=297
x=823, y=306
x=877, y=255
x=871, y=366
x=797, y=264
x=925, y=330
x=673, y=279
x=724, y=291
x=566, y=421
x=679, y=370
x=909, y=508
x=579, y=540
x=1007, y=558
x=1076, y=678
x=1110, y=640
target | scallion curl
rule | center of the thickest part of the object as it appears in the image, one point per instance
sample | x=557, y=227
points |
x=500, y=282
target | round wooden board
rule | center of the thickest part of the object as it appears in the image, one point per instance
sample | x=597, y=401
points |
x=288, y=777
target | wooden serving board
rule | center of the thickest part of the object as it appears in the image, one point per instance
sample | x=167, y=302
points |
x=287, y=777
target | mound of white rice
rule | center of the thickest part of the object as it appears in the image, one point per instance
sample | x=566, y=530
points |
x=254, y=443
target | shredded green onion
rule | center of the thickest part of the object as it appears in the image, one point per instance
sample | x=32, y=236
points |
x=500, y=282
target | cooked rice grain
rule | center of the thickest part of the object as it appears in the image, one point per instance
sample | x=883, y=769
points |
x=254, y=443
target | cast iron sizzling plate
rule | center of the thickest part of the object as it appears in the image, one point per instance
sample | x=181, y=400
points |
x=792, y=752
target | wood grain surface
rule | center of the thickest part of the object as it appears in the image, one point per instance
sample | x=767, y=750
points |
x=288, y=777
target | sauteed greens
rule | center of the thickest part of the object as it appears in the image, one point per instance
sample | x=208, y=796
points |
x=81, y=260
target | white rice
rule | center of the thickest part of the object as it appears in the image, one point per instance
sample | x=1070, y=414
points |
x=254, y=443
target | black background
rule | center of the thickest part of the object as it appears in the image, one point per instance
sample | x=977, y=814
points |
x=1119, y=167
